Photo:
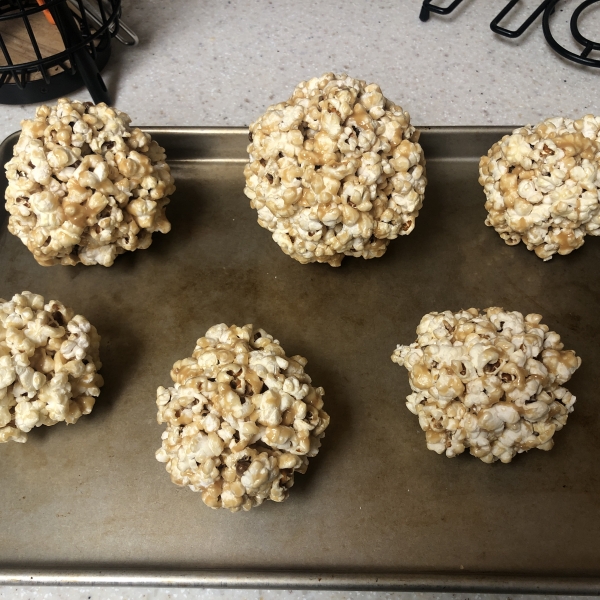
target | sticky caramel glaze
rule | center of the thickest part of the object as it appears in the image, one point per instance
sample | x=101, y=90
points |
x=574, y=144
x=566, y=241
x=360, y=117
x=421, y=377
x=184, y=371
x=454, y=383
x=78, y=214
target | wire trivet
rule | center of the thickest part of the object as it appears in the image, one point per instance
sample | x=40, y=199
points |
x=546, y=9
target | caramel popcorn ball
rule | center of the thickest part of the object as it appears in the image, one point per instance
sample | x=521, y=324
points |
x=48, y=363
x=335, y=171
x=490, y=381
x=84, y=187
x=241, y=419
x=542, y=185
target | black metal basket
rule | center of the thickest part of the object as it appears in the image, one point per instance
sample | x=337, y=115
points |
x=83, y=27
x=546, y=9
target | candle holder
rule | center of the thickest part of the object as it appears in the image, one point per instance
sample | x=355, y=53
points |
x=49, y=48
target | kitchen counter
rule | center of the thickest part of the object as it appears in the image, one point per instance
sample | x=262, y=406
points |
x=223, y=63
x=124, y=593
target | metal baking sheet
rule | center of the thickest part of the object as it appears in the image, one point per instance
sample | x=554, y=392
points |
x=376, y=510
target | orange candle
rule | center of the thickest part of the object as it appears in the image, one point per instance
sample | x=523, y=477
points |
x=47, y=13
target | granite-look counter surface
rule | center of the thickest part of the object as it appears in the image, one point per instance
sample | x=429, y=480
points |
x=222, y=63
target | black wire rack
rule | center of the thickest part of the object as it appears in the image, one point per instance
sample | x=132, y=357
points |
x=546, y=10
x=82, y=29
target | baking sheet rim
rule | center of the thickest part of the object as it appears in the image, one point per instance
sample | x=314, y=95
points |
x=430, y=582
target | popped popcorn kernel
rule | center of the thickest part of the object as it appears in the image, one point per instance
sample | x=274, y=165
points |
x=491, y=381
x=335, y=171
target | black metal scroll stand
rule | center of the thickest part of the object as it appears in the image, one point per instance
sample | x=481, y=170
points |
x=429, y=8
x=546, y=9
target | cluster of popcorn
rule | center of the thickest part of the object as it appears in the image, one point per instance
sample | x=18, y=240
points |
x=84, y=187
x=335, y=171
x=48, y=365
x=489, y=381
x=241, y=419
x=542, y=185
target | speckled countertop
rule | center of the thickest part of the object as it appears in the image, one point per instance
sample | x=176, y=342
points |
x=222, y=63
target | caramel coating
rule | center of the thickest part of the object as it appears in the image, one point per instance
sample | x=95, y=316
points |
x=335, y=171
x=84, y=187
x=489, y=380
x=241, y=419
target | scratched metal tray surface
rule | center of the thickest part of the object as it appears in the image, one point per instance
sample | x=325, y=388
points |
x=376, y=510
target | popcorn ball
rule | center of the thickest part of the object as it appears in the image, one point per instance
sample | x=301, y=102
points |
x=48, y=363
x=491, y=381
x=335, y=171
x=241, y=419
x=542, y=185
x=84, y=187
